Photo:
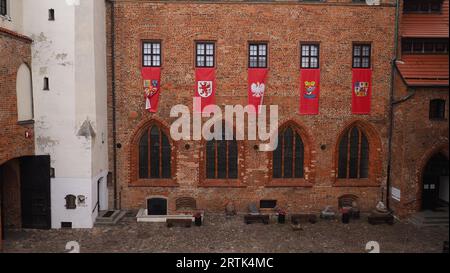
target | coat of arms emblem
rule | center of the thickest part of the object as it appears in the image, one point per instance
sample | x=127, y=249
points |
x=361, y=89
x=310, y=87
x=150, y=87
x=258, y=89
x=204, y=88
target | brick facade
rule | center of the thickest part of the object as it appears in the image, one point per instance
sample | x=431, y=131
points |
x=283, y=25
x=416, y=139
x=15, y=49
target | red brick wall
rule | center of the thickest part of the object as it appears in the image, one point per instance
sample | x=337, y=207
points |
x=416, y=139
x=232, y=26
x=13, y=52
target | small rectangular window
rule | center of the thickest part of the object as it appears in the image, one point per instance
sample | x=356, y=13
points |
x=3, y=7
x=257, y=55
x=151, y=54
x=437, y=109
x=205, y=54
x=425, y=46
x=361, y=55
x=51, y=15
x=309, y=56
x=46, y=84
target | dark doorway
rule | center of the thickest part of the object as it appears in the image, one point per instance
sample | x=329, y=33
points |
x=157, y=206
x=435, y=183
x=35, y=192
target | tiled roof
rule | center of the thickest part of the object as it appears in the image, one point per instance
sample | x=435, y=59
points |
x=426, y=25
x=424, y=70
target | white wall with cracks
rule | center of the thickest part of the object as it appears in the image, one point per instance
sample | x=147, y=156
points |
x=70, y=117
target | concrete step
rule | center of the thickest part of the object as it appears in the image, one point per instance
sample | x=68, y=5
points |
x=429, y=218
x=109, y=217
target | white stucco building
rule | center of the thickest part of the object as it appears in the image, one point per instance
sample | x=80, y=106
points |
x=69, y=100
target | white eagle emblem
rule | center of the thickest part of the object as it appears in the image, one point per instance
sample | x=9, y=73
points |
x=258, y=89
x=204, y=88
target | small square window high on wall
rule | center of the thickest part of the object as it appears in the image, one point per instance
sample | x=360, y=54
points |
x=361, y=55
x=3, y=7
x=437, y=109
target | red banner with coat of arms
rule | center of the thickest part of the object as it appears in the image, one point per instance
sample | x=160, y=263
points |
x=205, y=88
x=309, y=91
x=361, y=91
x=257, y=84
x=151, y=82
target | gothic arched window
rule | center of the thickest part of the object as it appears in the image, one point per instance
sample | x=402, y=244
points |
x=154, y=154
x=289, y=157
x=222, y=158
x=353, y=162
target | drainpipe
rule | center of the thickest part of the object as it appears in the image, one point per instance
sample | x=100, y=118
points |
x=391, y=105
x=113, y=90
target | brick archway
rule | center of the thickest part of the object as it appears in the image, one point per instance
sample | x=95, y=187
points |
x=443, y=149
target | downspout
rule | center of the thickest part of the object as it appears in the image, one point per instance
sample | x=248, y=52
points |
x=391, y=105
x=113, y=91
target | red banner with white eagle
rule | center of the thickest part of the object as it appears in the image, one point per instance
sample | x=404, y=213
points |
x=205, y=87
x=257, y=84
x=151, y=82
x=361, y=91
x=309, y=91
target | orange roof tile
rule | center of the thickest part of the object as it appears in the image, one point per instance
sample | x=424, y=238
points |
x=426, y=25
x=424, y=70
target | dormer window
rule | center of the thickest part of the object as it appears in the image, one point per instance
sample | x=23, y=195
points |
x=422, y=6
x=425, y=46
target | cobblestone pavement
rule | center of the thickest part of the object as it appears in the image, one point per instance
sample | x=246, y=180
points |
x=219, y=234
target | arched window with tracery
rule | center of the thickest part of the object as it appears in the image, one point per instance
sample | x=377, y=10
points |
x=154, y=154
x=353, y=161
x=289, y=156
x=222, y=158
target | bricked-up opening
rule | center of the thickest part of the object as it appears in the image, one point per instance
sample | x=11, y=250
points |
x=222, y=158
x=288, y=158
x=267, y=204
x=186, y=203
x=154, y=154
x=157, y=206
x=51, y=15
x=353, y=160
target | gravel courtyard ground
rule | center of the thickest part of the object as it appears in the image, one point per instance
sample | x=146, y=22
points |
x=219, y=234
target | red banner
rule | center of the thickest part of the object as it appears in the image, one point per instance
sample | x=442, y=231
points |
x=257, y=84
x=151, y=82
x=309, y=91
x=361, y=91
x=205, y=87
